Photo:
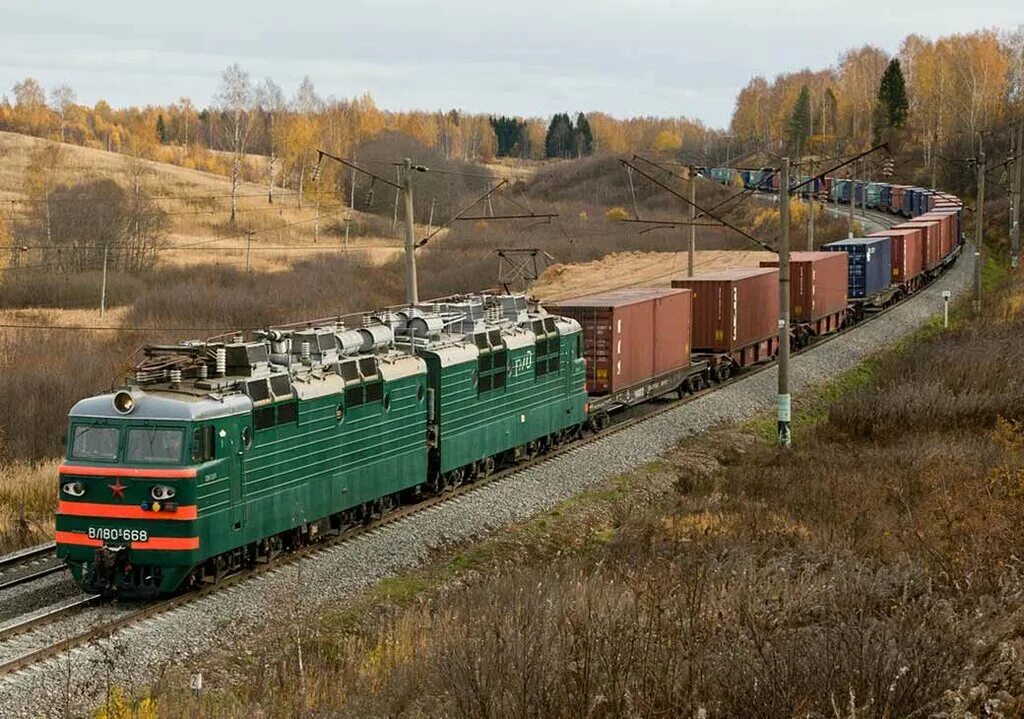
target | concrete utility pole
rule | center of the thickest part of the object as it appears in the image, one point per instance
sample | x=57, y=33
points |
x=412, y=294
x=810, y=216
x=103, y=285
x=864, y=197
x=853, y=199
x=979, y=232
x=1018, y=177
x=248, y=248
x=693, y=226
x=784, y=401
x=934, y=159
x=351, y=206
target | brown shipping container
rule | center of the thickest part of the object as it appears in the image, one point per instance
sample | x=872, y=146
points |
x=906, y=250
x=631, y=335
x=947, y=223
x=733, y=308
x=931, y=243
x=948, y=220
x=817, y=284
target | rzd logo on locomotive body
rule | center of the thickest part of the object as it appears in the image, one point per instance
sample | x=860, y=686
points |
x=522, y=364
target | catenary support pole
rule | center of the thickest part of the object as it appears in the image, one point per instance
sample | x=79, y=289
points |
x=979, y=232
x=411, y=291
x=693, y=227
x=1018, y=178
x=784, y=403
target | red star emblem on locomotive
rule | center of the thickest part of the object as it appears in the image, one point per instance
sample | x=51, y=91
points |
x=117, y=489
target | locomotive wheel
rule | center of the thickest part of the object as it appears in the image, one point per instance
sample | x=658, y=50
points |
x=454, y=480
x=487, y=466
x=436, y=484
x=531, y=450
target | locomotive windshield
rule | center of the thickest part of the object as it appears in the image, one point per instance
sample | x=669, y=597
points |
x=149, y=444
x=92, y=442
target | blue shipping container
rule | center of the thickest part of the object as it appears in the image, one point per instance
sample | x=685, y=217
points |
x=885, y=199
x=922, y=202
x=870, y=264
x=909, y=202
x=874, y=194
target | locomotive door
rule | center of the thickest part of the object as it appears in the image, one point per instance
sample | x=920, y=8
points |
x=243, y=442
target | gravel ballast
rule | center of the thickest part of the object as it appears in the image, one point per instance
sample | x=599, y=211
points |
x=135, y=655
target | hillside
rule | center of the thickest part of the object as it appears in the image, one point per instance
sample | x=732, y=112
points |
x=198, y=205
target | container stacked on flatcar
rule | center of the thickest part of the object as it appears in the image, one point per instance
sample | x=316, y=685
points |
x=817, y=291
x=869, y=264
x=735, y=315
x=636, y=343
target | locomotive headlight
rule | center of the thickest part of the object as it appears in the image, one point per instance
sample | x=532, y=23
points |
x=75, y=489
x=161, y=492
x=124, y=402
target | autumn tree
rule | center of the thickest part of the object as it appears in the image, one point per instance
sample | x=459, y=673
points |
x=667, y=141
x=44, y=165
x=301, y=132
x=237, y=100
x=94, y=218
x=860, y=72
x=271, y=102
x=30, y=112
x=63, y=98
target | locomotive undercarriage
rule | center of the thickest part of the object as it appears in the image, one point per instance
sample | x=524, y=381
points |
x=213, y=570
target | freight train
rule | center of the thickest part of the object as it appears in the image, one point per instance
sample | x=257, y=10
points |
x=219, y=454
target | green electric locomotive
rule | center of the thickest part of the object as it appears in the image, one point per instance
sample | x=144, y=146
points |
x=218, y=455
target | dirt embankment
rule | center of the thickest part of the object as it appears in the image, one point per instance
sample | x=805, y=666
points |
x=633, y=269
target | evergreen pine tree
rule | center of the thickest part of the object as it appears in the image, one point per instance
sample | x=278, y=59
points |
x=507, y=133
x=892, y=94
x=584, y=136
x=559, y=139
x=161, y=129
x=800, y=121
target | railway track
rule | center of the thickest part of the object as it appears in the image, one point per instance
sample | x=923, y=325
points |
x=112, y=618
x=29, y=565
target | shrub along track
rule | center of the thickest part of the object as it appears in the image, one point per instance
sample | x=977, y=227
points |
x=141, y=620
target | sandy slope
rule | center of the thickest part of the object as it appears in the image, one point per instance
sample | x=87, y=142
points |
x=635, y=269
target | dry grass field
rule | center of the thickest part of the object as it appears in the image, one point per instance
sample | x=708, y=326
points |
x=198, y=205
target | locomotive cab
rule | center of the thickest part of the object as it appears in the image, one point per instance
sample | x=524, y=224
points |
x=127, y=510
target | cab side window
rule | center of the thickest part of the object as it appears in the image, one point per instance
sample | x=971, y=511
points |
x=204, y=446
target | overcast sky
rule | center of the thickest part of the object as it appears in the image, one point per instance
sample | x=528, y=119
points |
x=646, y=57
